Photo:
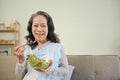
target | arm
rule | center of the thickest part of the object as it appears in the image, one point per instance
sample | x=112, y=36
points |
x=63, y=66
x=20, y=70
x=21, y=66
x=60, y=62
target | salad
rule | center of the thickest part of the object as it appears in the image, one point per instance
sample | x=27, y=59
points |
x=37, y=63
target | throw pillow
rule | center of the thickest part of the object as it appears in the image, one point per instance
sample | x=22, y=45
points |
x=70, y=71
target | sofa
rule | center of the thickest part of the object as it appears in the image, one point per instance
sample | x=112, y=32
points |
x=95, y=67
x=87, y=67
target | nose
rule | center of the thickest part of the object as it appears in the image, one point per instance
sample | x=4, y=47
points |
x=39, y=28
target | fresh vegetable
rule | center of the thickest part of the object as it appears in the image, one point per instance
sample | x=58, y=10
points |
x=37, y=63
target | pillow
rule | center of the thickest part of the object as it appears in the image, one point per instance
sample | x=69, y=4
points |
x=69, y=74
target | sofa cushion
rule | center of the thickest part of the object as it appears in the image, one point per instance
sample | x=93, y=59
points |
x=107, y=67
x=83, y=67
x=95, y=67
x=7, y=67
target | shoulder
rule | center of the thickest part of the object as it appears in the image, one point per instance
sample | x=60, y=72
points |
x=58, y=44
x=55, y=44
x=58, y=47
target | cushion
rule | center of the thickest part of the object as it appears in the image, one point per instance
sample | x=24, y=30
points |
x=70, y=71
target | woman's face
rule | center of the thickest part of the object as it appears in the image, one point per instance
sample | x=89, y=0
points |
x=40, y=28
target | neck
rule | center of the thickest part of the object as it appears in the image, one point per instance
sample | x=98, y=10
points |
x=41, y=43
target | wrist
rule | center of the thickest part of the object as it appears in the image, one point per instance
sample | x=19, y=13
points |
x=21, y=61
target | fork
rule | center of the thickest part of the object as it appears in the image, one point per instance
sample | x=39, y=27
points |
x=29, y=43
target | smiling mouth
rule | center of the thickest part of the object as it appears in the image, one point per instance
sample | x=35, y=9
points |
x=40, y=35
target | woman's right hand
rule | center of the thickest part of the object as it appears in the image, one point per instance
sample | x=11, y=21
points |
x=19, y=52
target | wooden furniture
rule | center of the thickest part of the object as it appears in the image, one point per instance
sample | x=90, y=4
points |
x=9, y=38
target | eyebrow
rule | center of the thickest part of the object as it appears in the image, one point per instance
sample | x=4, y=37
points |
x=37, y=23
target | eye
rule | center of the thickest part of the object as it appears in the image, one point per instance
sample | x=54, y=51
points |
x=35, y=25
x=43, y=25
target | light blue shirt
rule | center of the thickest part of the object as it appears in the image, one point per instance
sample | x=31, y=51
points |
x=49, y=50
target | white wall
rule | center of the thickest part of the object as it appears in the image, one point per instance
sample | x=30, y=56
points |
x=84, y=26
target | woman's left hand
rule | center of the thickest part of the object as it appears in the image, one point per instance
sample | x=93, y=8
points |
x=49, y=68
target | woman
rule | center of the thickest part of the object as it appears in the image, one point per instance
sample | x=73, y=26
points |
x=43, y=42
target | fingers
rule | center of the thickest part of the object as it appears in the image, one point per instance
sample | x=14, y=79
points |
x=43, y=70
x=19, y=50
x=48, y=68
